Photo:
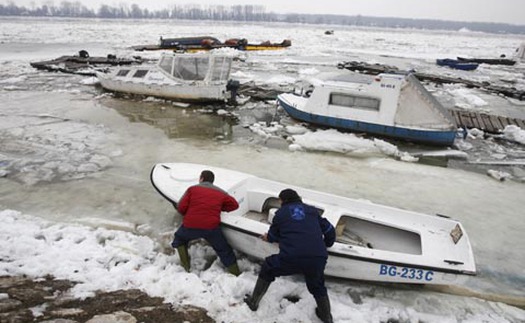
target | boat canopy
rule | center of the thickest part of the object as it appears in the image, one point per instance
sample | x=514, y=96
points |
x=197, y=67
x=418, y=108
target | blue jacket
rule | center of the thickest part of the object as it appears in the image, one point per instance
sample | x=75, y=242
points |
x=301, y=231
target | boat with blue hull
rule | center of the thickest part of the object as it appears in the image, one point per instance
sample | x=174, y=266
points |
x=389, y=105
x=457, y=64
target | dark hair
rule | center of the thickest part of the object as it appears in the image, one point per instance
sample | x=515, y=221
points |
x=289, y=196
x=207, y=176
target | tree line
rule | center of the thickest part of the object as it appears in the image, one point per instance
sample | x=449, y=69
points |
x=190, y=12
x=255, y=13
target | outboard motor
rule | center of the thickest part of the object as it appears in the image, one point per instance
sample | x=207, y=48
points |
x=233, y=86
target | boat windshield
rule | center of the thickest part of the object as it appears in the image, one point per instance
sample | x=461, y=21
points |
x=166, y=62
x=191, y=68
x=221, y=68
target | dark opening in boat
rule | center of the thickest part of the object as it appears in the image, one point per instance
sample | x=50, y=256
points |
x=352, y=230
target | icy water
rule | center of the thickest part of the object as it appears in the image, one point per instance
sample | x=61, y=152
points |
x=69, y=152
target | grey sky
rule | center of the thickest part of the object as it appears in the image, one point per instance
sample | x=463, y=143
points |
x=505, y=11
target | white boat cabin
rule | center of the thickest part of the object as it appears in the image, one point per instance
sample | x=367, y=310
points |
x=198, y=77
x=190, y=68
x=385, y=99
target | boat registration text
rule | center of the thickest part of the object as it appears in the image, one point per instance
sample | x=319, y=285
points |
x=406, y=273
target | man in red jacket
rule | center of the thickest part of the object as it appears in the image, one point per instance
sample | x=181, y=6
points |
x=201, y=207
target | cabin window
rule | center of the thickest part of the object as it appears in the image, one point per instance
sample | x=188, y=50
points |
x=166, y=63
x=352, y=101
x=140, y=73
x=191, y=68
x=122, y=72
x=221, y=68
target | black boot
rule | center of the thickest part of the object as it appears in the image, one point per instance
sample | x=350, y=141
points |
x=323, y=309
x=258, y=292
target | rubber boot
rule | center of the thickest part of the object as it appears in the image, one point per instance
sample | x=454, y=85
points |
x=258, y=292
x=323, y=309
x=234, y=269
x=184, y=257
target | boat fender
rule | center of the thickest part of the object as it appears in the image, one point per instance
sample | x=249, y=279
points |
x=208, y=42
x=232, y=42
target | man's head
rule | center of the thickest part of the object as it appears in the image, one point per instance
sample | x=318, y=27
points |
x=289, y=196
x=207, y=176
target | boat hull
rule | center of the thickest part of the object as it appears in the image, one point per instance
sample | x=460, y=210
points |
x=180, y=92
x=433, y=137
x=489, y=61
x=346, y=265
x=457, y=64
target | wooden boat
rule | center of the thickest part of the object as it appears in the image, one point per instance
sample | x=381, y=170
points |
x=84, y=64
x=457, y=64
x=205, y=43
x=389, y=105
x=374, y=242
x=183, y=77
x=490, y=61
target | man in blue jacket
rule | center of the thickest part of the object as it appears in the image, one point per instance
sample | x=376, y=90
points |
x=303, y=236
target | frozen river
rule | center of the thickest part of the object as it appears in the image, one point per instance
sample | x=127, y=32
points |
x=68, y=153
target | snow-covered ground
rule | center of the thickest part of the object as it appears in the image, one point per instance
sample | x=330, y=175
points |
x=74, y=169
x=102, y=259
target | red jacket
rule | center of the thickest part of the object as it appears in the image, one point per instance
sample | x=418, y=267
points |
x=202, y=204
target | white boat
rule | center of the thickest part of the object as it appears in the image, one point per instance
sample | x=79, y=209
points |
x=374, y=242
x=184, y=77
x=390, y=105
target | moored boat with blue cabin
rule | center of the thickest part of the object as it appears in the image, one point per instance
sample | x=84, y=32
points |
x=373, y=242
x=390, y=105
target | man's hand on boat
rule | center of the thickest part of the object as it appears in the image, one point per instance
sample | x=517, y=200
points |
x=264, y=237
